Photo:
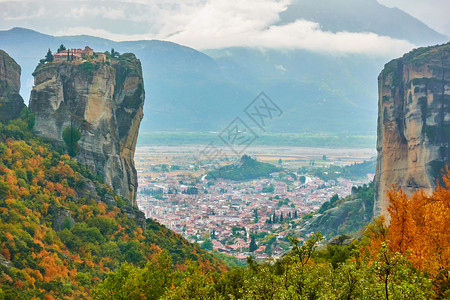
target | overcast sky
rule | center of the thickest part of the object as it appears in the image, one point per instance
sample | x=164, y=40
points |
x=207, y=24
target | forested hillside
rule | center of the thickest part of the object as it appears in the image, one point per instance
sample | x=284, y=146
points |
x=62, y=230
x=340, y=216
x=246, y=169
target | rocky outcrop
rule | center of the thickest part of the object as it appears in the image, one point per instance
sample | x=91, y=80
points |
x=101, y=104
x=343, y=216
x=11, y=103
x=413, y=122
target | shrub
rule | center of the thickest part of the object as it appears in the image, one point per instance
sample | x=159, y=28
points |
x=71, y=136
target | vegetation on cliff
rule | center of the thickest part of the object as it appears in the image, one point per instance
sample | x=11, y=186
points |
x=62, y=231
x=340, y=216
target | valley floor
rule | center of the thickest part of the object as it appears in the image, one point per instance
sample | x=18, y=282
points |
x=223, y=214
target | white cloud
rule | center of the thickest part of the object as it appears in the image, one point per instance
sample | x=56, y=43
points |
x=201, y=24
x=223, y=24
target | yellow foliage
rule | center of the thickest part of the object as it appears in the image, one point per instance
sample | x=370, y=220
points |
x=419, y=228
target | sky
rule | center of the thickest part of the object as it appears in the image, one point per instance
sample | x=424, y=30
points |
x=208, y=24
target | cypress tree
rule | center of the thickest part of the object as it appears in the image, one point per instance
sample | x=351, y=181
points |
x=253, y=245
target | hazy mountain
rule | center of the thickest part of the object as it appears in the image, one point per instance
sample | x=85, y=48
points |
x=193, y=91
x=188, y=90
x=185, y=88
x=362, y=16
x=322, y=92
x=316, y=92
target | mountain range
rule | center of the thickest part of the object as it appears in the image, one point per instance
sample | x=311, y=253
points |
x=189, y=90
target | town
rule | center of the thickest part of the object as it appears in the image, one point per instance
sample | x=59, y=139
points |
x=227, y=215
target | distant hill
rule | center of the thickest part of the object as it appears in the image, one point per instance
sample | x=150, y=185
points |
x=353, y=172
x=246, y=169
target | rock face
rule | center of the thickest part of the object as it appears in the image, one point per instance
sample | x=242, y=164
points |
x=413, y=122
x=102, y=103
x=11, y=103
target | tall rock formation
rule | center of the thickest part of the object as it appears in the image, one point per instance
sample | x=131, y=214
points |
x=11, y=103
x=101, y=104
x=413, y=122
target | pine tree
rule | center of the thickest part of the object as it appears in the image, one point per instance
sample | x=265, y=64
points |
x=49, y=56
x=61, y=48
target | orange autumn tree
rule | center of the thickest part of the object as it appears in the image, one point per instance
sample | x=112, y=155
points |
x=420, y=229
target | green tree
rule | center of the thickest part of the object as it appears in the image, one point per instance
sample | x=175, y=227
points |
x=253, y=245
x=49, y=56
x=61, y=48
x=302, y=179
x=28, y=116
x=71, y=136
x=303, y=253
x=268, y=189
x=207, y=243
x=255, y=215
x=114, y=54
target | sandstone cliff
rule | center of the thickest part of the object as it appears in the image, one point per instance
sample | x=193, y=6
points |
x=11, y=103
x=413, y=122
x=99, y=103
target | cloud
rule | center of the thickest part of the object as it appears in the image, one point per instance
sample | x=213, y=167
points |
x=221, y=24
x=200, y=24
x=19, y=12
